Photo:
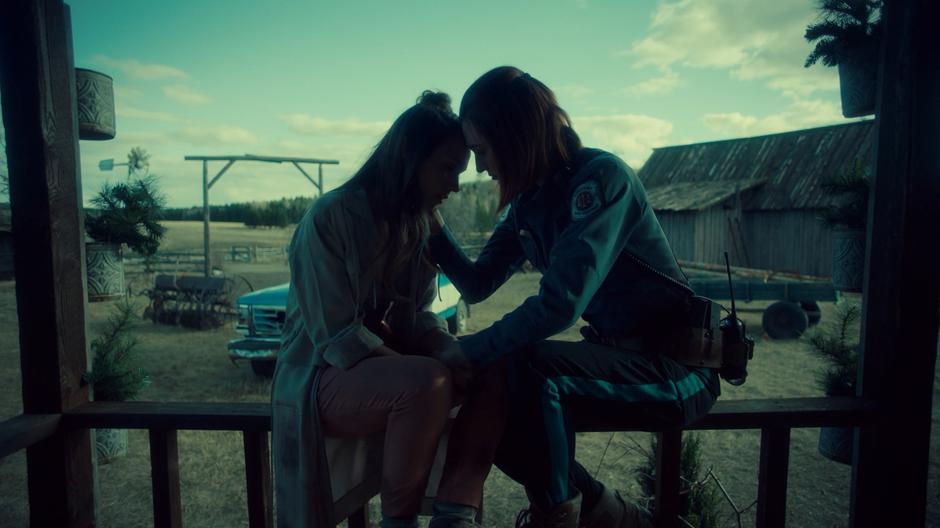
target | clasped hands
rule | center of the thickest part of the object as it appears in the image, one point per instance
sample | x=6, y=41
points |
x=445, y=348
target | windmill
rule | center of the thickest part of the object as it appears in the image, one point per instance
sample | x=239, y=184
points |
x=138, y=161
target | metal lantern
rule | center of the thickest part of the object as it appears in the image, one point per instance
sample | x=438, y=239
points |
x=95, y=104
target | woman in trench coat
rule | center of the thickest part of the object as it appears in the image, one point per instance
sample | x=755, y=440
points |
x=359, y=342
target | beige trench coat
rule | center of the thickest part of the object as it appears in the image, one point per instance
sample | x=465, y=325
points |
x=331, y=253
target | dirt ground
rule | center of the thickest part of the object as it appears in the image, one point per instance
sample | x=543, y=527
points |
x=189, y=365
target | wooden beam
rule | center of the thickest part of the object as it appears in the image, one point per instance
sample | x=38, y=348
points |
x=25, y=430
x=226, y=416
x=258, y=478
x=205, y=215
x=902, y=286
x=784, y=412
x=268, y=159
x=302, y=171
x=772, y=477
x=668, y=483
x=221, y=172
x=172, y=415
x=37, y=82
x=165, y=477
x=359, y=518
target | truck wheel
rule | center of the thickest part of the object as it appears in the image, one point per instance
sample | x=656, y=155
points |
x=785, y=320
x=813, y=314
x=263, y=367
x=457, y=323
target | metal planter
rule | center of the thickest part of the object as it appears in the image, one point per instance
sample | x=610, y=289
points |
x=848, y=259
x=837, y=444
x=858, y=75
x=110, y=444
x=95, y=105
x=104, y=266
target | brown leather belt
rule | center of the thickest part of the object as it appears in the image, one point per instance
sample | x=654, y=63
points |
x=628, y=343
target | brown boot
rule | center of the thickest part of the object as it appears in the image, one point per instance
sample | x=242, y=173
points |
x=611, y=511
x=564, y=515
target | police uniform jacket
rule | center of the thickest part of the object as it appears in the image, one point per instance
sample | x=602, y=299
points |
x=332, y=298
x=578, y=228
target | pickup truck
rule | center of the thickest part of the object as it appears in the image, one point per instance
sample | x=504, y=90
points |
x=261, y=319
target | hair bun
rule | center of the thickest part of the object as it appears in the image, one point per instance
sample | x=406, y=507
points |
x=437, y=100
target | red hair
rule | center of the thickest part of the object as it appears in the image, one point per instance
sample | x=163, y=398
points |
x=529, y=134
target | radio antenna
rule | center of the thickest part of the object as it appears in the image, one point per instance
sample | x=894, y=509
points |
x=734, y=313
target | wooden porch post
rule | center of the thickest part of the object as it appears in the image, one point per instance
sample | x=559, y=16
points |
x=902, y=284
x=37, y=80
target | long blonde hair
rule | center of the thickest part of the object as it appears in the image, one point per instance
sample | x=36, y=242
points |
x=390, y=180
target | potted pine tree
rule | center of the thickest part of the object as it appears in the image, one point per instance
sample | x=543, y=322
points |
x=128, y=215
x=836, y=343
x=847, y=216
x=848, y=35
x=115, y=375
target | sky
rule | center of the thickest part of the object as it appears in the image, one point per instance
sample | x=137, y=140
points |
x=325, y=79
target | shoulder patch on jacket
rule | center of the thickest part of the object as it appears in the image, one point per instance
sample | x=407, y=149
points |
x=585, y=200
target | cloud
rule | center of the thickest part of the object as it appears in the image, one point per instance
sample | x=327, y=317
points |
x=630, y=136
x=753, y=39
x=661, y=85
x=800, y=114
x=186, y=95
x=123, y=111
x=575, y=91
x=204, y=135
x=317, y=126
x=138, y=70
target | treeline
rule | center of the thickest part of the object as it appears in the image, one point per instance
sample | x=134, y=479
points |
x=471, y=213
x=276, y=213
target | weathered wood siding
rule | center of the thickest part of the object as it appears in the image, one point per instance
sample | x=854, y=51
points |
x=680, y=231
x=793, y=240
x=712, y=237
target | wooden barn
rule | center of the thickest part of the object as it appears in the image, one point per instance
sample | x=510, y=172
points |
x=757, y=198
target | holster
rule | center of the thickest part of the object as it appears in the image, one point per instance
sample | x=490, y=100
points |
x=694, y=338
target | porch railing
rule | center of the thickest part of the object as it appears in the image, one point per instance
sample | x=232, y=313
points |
x=774, y=417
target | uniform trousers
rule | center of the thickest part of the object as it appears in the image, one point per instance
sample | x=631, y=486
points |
x=558, y=388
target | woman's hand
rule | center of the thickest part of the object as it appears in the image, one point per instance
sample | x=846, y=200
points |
x=461, y=371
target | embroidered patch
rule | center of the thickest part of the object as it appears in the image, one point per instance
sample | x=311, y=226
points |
x=585, y=200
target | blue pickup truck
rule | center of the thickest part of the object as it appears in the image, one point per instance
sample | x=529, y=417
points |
x=261, y=319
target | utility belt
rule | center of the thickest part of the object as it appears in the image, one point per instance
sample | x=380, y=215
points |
x=695, y=337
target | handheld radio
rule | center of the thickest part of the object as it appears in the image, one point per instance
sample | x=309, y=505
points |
x=737, y=347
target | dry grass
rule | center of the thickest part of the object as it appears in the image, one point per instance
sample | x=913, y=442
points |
x=188, y=365
x=186, y=236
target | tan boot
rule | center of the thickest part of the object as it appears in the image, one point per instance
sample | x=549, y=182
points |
x=611, y=511
x=564, y=515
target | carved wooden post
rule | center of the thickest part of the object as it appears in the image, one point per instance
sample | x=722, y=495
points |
x=902, y=286
x=37, y=80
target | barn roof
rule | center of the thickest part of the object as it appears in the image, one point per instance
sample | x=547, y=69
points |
x=696, y=196
x=793, y=164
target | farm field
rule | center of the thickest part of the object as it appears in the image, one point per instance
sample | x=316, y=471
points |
x=189, y=365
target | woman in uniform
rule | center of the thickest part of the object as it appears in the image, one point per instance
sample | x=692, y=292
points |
x=357, y=355
x=580, y=216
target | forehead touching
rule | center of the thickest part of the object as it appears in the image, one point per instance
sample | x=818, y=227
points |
x=453, y=151
x=470, y=134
